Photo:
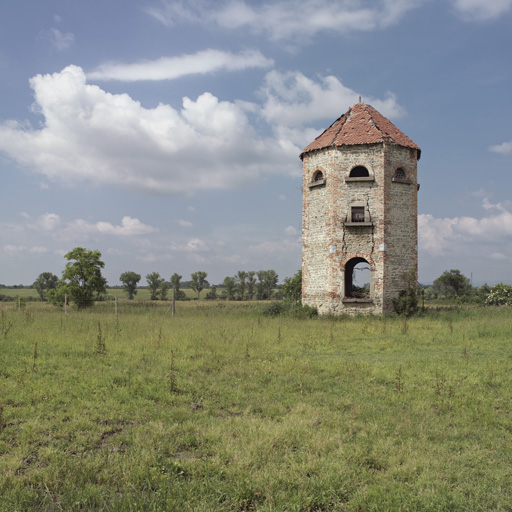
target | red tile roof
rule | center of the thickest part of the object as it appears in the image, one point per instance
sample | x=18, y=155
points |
x=361, y=124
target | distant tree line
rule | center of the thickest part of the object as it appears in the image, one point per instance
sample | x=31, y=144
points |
x=82, y=283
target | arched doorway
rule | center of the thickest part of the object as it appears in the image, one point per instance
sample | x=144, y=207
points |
x=357, y=279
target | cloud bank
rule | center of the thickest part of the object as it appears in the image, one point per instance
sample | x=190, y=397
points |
x=94, y=136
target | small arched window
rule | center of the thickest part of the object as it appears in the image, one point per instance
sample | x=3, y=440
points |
x=359, y=172
x=318, y=176
x=400, y=174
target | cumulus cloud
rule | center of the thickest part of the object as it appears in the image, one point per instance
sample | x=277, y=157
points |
x=438, y=236
x=51, y=224
x=505, y=148
x=294, y=99
x=170, y=68
x=293, y=102
x=294, y=20
x=482, y=10
x=89, y=134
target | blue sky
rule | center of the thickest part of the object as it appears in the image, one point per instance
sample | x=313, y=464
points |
x=167, y=134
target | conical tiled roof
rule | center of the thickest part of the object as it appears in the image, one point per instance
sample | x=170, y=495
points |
x=361, y=124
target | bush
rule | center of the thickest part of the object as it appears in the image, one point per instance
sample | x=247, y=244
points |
x=291, y=309
x=407, y=301
x=500, y=295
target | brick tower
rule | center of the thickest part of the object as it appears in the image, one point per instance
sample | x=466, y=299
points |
x=359, y=208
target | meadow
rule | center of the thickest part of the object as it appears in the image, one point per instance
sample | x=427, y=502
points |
x=220, y=408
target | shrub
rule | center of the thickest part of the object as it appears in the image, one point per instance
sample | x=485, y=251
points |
x=500, y=295
x=291, y=309
x=407, y=301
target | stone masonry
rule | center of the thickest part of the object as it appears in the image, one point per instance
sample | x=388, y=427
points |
x=359, y=205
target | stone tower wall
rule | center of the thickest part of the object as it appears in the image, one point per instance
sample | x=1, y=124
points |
x=388, y=244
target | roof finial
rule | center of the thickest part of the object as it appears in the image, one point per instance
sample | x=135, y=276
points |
x=359, y=99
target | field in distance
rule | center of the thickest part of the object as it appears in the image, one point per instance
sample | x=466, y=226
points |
x=221, y=408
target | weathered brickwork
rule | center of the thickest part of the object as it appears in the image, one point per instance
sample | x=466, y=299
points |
x=386, y=239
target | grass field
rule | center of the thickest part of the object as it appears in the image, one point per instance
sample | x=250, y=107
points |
x=220, y=408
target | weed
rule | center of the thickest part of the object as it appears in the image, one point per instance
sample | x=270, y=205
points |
x=171, y=376
x=34, y=357
x=404, y=327
x=399, y=382
x=5, y=325
x=101, y=348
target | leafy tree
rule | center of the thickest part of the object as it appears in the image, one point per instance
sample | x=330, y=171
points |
x=251, y=283
x=81, y=279
x=267, y=282
x=164, y=288
x=292, y=289
x=176, y=284
x=229, y=285
x=154, y=283
x=45, y=282
x=130, y=280
x=199, y=282
x=241, y=284
x=452, y=283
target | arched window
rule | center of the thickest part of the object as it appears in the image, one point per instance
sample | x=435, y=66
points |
x=400, y=174
x=318, y=176
x=359, y=172
x=357, y=279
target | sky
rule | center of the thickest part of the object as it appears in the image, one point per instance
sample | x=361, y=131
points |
x=167, y=134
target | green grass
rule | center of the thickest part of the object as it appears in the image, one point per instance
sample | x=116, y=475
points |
x=220, y=408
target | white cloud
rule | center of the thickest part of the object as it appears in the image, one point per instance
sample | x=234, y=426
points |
x=295, y=20
x=290, y=231
x=482, y=10
x=185, y=223
x=505, y=148
x=129, y=227
x=60, y=40
x=293, y=102
x=439, y=236
x=170, y=68
x=51, y=224
x=293, y=99
x=89, y=134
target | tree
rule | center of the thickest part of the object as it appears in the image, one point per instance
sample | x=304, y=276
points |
x=267, y=282
x=251, y=283
x=81, y=280
x=241, y=284
x=199, y=282
x=164, y=288
x=45, y=282
x=292, y=289
x=229, y=285
x=175, y=284
x=452, y=283
x=130, y=280
x=154, y=283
